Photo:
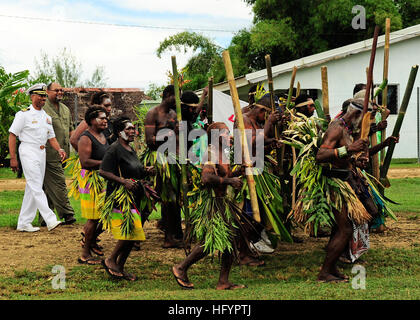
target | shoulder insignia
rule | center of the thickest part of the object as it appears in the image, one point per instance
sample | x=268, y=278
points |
x=24, y=109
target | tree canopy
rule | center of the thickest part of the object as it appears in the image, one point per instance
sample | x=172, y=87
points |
x=288, y=30
x=66, y=69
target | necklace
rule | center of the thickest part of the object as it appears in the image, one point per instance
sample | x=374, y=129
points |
x=346, y=126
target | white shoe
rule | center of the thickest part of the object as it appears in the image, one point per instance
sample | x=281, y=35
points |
x=28, y=228
x=262, y=247
x=264, y=237
x=54, y=225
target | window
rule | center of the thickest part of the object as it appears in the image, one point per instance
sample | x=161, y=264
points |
x=392, y=98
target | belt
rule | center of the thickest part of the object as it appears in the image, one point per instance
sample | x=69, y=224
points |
x=342, y=174
x=42, y=146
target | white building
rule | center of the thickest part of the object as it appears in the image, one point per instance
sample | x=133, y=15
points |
x=347, y=67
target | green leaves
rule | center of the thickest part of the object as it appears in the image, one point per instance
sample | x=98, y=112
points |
x=12, y=99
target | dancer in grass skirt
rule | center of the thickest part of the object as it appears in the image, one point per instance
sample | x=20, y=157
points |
x=92, y=146
x=125, y=203
x=218, y=224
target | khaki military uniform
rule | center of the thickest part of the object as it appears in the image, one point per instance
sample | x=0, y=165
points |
x=54, y=182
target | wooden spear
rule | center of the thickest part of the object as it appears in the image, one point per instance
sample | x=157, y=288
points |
x=182, y=146
x=398, y=123
x=325, y=98
x=210, y=102
x=244, y=143
x=385, y=77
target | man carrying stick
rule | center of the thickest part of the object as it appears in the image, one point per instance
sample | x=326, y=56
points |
x=338, y=149
x=158, y=118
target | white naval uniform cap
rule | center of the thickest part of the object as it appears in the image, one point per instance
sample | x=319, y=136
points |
x=39, y=88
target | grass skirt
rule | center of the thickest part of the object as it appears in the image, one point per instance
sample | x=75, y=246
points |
x=91, y=189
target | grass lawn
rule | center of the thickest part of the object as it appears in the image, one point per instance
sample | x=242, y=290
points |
x=391, y=273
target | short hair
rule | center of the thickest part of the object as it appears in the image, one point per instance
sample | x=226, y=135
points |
x=92, y=112
x=303, y=97
x=345, y=105
x=358, y=87
x=99, y=97
x=119, y=124
x=50, y=85
x=168, y=91
x=251, y=94
x=189, y=97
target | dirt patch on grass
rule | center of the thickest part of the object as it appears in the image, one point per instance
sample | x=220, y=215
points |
x=404, y=173
x=36, y=251
x=19, y=184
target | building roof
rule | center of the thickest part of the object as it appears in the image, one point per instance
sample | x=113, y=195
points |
x=323, y=57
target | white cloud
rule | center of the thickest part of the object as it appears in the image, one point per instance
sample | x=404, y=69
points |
x=127, y=54
x=214, y=8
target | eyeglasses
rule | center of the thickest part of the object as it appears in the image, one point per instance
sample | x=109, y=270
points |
x=57, y=90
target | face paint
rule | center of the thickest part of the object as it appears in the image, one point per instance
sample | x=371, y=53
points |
x=123, y=135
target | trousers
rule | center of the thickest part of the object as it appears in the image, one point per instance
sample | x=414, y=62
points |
x=56, y=189
x=33, y=164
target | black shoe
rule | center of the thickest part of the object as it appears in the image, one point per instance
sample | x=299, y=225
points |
x=69, y=220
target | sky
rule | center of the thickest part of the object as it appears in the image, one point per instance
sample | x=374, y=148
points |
x=128, y=54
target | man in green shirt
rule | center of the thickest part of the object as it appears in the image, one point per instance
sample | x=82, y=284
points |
x=54, y=182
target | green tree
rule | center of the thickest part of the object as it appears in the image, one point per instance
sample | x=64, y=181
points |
x=290, y=30
x=206, y=58
x=66, y=69
x=12, y=99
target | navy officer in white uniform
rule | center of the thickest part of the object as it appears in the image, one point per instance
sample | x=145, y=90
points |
x=34, y=128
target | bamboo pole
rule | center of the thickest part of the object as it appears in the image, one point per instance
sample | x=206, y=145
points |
x=182, y=155
x=244, y=143
x=289, y=99
x=325, y=98
x=373, y=140
x=273, y=108
x=385, y=77
x=398, y=123
x=292, y=83
x=210, y=102
x=298, y=89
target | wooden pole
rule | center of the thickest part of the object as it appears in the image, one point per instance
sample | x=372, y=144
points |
x=182, y=146
x=273, y=108
x=385, y=77
x=370, y=74
x=292, y=83
x=398, y=123
x=244, y=143
x=289, y=99
x=210, y=102
x=325, y=98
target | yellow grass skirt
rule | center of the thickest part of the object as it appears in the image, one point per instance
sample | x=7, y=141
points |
x=117, y=220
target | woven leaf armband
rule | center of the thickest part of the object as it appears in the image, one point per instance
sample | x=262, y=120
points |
x=342, y=152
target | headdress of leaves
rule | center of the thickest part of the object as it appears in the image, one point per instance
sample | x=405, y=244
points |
x=259, y=92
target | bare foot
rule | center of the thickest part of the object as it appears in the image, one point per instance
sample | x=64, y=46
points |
x=229, y=286
x=173, y=244
x=251, y=261
x=327, y=277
